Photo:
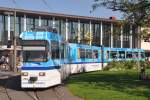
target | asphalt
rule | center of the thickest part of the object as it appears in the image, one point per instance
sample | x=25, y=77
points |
x=10, y=90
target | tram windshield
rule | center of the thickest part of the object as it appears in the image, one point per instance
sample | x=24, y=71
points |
x=34, y=56
x=35, y=50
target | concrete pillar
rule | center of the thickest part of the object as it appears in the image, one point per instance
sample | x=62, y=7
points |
x=111, y=44
x=39, y=20
x=53, y=22
x=101, y=38
x=79, y=31
x=8, y=26
x=130, y=36
x=90, y=33
x=121, y=37
x=66, y=29
x=25, y=23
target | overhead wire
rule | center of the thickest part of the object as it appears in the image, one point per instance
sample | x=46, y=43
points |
x=47, y=4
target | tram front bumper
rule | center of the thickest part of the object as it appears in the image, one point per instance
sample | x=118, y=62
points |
x=35, y=80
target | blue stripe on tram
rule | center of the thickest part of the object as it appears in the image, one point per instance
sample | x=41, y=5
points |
x=39, y=68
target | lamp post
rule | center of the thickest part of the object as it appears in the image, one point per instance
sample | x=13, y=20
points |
x=14, y=43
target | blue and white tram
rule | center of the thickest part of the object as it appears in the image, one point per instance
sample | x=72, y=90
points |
x=40, y=59
x=47, y=60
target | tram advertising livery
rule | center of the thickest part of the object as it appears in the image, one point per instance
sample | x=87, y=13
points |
x=47, y=59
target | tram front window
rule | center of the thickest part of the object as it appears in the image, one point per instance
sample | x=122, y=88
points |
x=34, y=56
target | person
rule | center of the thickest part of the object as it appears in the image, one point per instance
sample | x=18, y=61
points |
x=2, y=60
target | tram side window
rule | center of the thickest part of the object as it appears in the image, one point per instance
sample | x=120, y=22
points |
x=63, y=51
x=82, y=53
x=95, y=54
x=142, y=54
x=135, y=55
x=113, y=54
x=89, y=54
x=107, y=54
x=121, y=54
x=55, y=49
x=129, y=55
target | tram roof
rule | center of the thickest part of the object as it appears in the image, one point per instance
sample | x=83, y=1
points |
x=21, y=12
x=40, y=36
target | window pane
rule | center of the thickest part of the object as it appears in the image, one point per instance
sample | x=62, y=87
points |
x=121, y=54
x=89, y=53
x=55, y=49
x=113, y=54
x=95, y=54
x=35, y=56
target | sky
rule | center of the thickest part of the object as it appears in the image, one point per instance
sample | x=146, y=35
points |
x=71, y=7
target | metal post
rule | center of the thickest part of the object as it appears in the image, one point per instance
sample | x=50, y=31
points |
x=15, y=49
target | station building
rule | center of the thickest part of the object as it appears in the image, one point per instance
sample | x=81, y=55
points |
x=75, y=29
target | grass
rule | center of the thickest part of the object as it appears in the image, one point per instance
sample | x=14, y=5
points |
x=109, y=85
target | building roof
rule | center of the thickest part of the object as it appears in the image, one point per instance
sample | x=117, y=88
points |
x=6, y=10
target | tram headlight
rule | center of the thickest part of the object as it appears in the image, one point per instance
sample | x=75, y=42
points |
x=24, y=74
x=42, y=73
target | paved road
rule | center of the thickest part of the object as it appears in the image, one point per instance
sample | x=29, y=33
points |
x=10, y=90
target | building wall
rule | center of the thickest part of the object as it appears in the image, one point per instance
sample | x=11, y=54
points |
x=145, y=44
x=108, y=34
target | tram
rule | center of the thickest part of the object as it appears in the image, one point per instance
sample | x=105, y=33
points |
x=47, y=59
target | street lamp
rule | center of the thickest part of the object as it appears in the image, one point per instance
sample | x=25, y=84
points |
x=14, y=43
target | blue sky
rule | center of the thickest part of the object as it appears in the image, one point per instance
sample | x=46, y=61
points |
x=72, y=7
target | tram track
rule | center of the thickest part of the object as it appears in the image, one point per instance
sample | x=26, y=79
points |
x=33, y=97
x=10, y=90
x=57, y=94
x=4, y=87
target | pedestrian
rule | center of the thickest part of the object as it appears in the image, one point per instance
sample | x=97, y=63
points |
x=2, y=60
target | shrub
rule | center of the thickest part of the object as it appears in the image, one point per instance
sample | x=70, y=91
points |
x=123, y=65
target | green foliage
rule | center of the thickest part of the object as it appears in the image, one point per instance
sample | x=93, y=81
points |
x=136, y=12
x=109, y=85
x=124, y=65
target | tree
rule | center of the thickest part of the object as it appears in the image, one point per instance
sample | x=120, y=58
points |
x=136, y=12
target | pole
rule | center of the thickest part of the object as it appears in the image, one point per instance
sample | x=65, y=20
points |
x=15, y=49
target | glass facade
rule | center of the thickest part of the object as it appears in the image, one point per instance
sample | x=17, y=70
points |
x=86, y=36
x=44, y=22
x=5, y=34
x=116, y=36
x=73, y=32
x=1, y=27
x=96, y=34
x=106, y=34
x=85, y=33
x=63, y=28
x=57, y=26
x=126, y=36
